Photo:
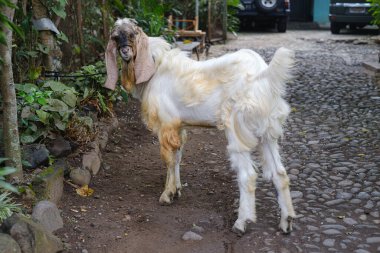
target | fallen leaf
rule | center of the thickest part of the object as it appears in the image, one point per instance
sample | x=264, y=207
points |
x=85, y=191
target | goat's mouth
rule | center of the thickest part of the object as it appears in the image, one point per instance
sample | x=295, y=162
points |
x=126, y=53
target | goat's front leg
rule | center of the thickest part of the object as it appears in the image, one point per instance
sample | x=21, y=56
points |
x=273, y=168
x=170, y=144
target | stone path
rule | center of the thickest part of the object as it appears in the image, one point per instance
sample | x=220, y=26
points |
x=332, y=148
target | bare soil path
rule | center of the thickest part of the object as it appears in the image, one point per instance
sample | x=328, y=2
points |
x=124, y=216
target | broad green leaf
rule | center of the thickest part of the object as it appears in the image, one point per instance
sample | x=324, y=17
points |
x=70, y=98
x=55, y=86
x=29, y=99
x=33, y=127
x=86, y=92
x=63, y=37
x=59, y=12
x=43, y=116
x=42, y=101
x=55, y=105
x=26, y=112
x=27, y=87
x=59, y=124
x=27, y=138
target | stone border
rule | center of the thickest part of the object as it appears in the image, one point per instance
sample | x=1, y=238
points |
x=373, y=69
x=92, y=159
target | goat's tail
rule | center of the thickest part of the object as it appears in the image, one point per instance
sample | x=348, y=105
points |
x=279, y=70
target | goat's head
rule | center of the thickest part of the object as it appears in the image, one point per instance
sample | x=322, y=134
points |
x=131, y=43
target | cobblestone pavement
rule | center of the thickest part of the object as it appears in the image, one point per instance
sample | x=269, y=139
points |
x=331, y=147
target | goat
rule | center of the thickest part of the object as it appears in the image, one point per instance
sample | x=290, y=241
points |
x=237, y=92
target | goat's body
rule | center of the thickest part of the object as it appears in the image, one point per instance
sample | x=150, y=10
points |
x=237, y=92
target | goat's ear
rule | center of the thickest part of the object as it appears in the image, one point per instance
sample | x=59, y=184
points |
x=111, y=65
x=144, y=63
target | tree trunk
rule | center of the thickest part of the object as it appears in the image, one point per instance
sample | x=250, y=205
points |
x=80, y=30
x=51, y=60
x=10, y=126
x=105, y=17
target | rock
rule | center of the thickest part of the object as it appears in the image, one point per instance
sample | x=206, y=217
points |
x=48, y=184
x=329, y=242
x=350, y=221
x=60, y=147
x=102, y=139
x=31, y=236
x=48, y=215
x=8, y=244
x=91, y=162
x=334, y=202
x=331, y=232
x=80, y=176
x=191, y=236
x=197, y=229
x=373, y=240
x=35, y=155
x=296, y=194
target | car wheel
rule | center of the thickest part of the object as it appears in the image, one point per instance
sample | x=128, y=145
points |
x=266, y=5
x=281, y=25
x=335, y=28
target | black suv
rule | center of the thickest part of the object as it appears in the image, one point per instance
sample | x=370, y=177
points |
x=273, y=12
x=354, y=13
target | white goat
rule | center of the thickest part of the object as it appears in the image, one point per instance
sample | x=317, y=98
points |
x=237, y=92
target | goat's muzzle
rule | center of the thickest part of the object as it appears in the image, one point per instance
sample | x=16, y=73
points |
x=126, y=53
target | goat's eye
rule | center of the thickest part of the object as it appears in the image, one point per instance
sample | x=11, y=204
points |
x=115, y=38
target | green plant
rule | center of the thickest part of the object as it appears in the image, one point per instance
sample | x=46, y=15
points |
x=233, y=22
x=150, y=14
x=44, y=109
x=89, y=83
x=7, y=206
x=4, y=171
x=375, y=11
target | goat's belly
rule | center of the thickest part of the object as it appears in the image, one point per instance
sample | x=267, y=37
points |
x=199, y=116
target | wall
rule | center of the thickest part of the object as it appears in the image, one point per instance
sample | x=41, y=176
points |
x=321, y=12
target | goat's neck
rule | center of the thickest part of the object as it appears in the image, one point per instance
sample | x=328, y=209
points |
x=138, y=90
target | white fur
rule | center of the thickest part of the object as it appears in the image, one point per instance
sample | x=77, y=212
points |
x=237, y=92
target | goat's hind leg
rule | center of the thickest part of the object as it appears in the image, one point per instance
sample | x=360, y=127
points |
x=273, y=168
x=178, y=158
x=242, y=163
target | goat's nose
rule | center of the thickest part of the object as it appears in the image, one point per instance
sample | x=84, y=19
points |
x=124, y=50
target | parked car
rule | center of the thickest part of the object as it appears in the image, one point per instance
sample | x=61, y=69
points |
x=354, y=13
x=272, y=12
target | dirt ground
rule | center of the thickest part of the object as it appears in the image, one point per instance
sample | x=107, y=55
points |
x=124, y=216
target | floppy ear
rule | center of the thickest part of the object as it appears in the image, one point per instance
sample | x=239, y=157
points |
x=111, y=65
x=144, y=64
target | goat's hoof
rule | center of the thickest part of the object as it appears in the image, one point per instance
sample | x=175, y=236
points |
x=166, y=199
x=178, y=193
x=240, y=226
x=286, y=224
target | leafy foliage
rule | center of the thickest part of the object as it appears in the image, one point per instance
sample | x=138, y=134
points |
x=4, y=171
x=375, y=11
x=44, y=108
x=89, y=83
x=7, y=206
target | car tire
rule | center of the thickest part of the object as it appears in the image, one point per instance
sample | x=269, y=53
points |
x=335, y=28
x=282, y=25
x=266, y=5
